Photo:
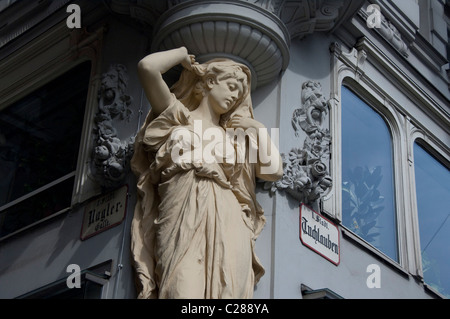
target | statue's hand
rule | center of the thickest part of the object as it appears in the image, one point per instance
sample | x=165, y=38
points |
x=245, y=122
x=189, y=61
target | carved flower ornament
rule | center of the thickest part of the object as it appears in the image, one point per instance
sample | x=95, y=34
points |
x=306, y=176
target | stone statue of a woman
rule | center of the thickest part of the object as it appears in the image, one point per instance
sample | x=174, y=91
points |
x=196, y=222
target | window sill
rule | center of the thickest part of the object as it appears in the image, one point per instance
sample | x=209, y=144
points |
x=430, y=290
x=373, y=251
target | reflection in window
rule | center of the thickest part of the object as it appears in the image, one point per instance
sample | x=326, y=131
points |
x=368, y=203
x=39, y=141
x=433, y=201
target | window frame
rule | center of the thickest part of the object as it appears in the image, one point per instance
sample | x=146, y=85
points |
x=442, y=155
x=48, y=78
x=414, y=112
x=347, y=69
x=387, y=115
x=389, y=121
x=55, y=57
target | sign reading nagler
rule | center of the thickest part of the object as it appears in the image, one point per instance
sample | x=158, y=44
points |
x=319, y=234
x=104, y=212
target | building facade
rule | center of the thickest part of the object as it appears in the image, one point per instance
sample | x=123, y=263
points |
x=355, y=92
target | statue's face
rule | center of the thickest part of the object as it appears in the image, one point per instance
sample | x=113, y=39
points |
x=224, y=94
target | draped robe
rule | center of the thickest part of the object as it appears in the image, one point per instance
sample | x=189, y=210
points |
x=195, y=224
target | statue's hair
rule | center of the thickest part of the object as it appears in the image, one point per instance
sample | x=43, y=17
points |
x=189, y=89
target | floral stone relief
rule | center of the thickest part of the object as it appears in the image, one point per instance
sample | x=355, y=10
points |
x=112, y=155
x=306, y=176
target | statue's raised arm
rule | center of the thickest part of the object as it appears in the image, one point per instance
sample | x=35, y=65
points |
x=152, y=67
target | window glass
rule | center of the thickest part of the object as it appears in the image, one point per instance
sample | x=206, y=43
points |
x=39, y=142
x=433, y=202
x=368, y=203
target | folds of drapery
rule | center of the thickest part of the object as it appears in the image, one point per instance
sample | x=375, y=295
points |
x=153, y=166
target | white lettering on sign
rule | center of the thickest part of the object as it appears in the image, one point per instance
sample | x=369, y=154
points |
x=104, y=213
x=319, y=234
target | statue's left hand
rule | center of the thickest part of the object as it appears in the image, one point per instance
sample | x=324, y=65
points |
x=245, y=122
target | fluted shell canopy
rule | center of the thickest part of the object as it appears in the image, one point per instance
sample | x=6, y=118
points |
x=236, y=30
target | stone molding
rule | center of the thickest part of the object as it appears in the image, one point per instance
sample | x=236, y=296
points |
x=24, y=15
x=254, y=32
x=238, y=30
x=388, y=32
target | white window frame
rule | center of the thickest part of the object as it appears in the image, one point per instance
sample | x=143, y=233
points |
x=419, y=135
x=361, y=66
x=348, y=69
x=42, y=60
x=387, y=114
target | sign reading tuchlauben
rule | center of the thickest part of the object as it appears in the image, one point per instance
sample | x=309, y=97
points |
x=104, y=212
x=319, y=234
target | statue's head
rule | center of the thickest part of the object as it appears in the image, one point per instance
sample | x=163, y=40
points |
x=224, y=82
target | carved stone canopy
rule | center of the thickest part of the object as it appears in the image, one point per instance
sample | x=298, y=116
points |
x=254, y=32
x=211, y=29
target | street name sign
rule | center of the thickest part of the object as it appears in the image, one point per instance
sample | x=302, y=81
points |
x=319, y=234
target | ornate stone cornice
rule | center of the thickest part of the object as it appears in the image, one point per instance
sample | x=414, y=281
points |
x=236, y=29
x=24, y=15
x=254, y=32
x=389, y=32
x=308, y=16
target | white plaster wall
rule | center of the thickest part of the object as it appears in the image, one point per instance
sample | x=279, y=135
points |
x=266, y=110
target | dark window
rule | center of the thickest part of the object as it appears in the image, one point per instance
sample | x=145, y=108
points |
x=39, y=143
